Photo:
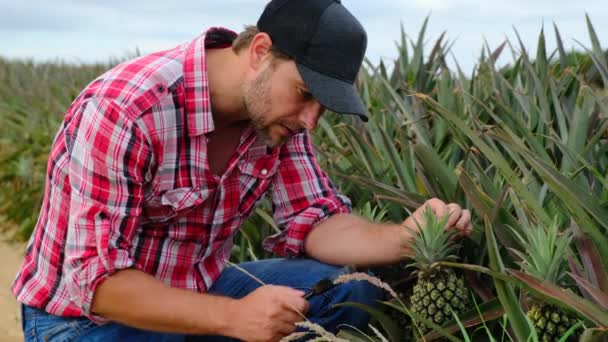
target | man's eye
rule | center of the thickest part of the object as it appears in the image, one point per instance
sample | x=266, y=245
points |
x=305, y=94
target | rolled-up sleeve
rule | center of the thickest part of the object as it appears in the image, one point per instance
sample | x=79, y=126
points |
x=302, y=196
x=109, y=161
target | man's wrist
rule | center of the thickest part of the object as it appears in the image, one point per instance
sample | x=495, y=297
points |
x=406, y=235
x=220, y=322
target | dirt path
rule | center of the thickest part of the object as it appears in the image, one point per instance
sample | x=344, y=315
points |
x=10, y=258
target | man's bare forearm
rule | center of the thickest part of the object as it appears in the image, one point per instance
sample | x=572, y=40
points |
x=137, y=299
x=346, y=239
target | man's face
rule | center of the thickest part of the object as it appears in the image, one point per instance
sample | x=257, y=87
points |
x=279, y=103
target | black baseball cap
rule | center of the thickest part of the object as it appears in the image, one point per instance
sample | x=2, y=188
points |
x=327, y=44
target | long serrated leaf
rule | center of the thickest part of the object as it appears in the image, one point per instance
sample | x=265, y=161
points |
x=330, y=131
x=399, y=201
x=434, y=168
x=575, y=269
x=577, y=135
x=416, y=67
x=504, y=290
x=414, y=200
x=421, y=132
x=572, y=194
x=600, y=65
x=563, y=58
x=495, y=157
x=528, y=101
x=562, y=297
x=497, y=52
x=436, y=51
x=556, y=295
x=595, y=42
x=600, y=297
x=592, y=262
x=396, y=163
x=403, y=58
x=519, y=125
x=484, y=205
x=584, y=164
x=391, y=328
x=541, y=55
x=560, y=116
x=364, y=151
x=445, y=96
x=593, y=141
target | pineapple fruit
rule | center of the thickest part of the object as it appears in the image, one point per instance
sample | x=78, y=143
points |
x=544, y=259
x=438, y=291
x=550, y=322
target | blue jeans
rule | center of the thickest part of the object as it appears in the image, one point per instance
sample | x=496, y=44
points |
x=297, y=273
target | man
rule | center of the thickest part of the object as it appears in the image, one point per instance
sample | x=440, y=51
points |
x=161, y=159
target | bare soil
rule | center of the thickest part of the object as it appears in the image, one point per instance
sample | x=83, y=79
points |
x=11, y=256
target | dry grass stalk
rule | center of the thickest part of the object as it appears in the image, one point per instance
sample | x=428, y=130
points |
x=363, y=276
x=324, y=335
x=246, y=272
x=378, y=334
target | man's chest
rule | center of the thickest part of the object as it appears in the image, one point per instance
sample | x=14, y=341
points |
x=206, y=183
x=222, y=147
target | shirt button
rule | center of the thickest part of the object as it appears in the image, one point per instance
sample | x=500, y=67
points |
x=160, y=88
x=264, y=172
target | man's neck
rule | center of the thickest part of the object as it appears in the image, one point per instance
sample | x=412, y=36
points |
x=225, y=73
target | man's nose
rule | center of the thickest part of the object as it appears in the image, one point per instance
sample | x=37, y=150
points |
x=310, y=115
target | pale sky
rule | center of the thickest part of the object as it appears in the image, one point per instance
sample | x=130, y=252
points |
x=89, y=31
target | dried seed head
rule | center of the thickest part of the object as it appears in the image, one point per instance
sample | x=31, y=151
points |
x=364, y=276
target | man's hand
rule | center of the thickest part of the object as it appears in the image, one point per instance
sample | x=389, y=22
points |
x=346, y=239
x=268, y=313
x=459, y=219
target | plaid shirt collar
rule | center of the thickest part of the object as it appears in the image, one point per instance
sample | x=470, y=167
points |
x=197, y=101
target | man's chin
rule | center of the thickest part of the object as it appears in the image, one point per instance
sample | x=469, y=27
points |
x=272, y=140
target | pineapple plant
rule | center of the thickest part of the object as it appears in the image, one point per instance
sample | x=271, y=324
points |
x=438, y=291
x=544, y=258
x=371, y=212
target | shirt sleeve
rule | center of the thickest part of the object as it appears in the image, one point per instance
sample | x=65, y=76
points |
x=109, y=160
x=302, y=196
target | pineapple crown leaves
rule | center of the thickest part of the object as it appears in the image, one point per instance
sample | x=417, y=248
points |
x=374, y=214
x=544, y=250
x=432, y=242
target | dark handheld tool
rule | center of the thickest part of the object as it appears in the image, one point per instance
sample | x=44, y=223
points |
x=326, y=284
x=320, y=287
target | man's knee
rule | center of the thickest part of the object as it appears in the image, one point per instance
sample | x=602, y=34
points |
x=363, y=292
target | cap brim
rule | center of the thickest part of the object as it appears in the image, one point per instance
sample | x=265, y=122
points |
x=335, y=95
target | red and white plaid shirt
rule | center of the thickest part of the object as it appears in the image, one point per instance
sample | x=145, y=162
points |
x=129, y=186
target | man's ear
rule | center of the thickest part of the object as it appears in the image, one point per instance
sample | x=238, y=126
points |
x=259, y=50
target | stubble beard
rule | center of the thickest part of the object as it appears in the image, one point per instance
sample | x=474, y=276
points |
x=258, y=104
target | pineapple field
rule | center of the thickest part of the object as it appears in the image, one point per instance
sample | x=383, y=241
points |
x=523, y=146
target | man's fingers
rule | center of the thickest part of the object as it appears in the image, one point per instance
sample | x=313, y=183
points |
x=463, y=220
x=291, y=318
x=438, y=206
x=455, y=213
x=464, y=224
x=296, y=303
x=286, y=328
x=458, y=218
